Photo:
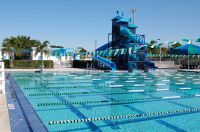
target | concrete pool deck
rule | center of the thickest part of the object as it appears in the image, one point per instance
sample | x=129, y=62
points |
x=4, y=118
x=48, y=70
x=189, y=70
x=59, y=70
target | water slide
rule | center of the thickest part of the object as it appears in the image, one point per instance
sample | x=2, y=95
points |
x=133, y=37
x=104, y=47
x=106, y=62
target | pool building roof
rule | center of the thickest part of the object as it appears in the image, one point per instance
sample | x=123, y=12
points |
x=116, y=18
x=123, y=20
x=132, y=25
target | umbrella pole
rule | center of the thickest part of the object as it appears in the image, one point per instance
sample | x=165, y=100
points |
x=188, y=61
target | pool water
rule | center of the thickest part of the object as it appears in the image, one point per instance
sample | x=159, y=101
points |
x=161, y=100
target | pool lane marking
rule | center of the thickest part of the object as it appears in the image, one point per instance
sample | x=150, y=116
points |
x=79, y=78
x=132, y=78
x=116, y=86
x=179, y=83
x=170, y=126
x=139, y=85
x=196, y=82
x=196, y=79
x=96, y=79
x=88, y=75
x=94, y=92
x=82, y=93
x=128, y=76
x=61, y=87
x=110, y=81
x=135, y=91
x=192, y=75
x=181, y=80
x=162, y=89
x=135, y=116
x=165, y=80
x=171, y=97
x=177, y=77
x=72, y=75
x=135, y=100
x=185, y=88
x=160, y=84
x=148, y=78
x=129, y=81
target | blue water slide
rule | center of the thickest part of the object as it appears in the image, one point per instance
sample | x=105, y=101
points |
x=104, y=47
x=150, y=64
x=106, y=62
x=131, y=36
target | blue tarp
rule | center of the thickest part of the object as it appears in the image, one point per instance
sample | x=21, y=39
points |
x=188, y=49
x=59, y=52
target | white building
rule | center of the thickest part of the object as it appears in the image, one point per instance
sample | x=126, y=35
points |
x=47, y=57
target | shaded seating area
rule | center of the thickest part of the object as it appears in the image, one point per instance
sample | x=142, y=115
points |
x=188, y=50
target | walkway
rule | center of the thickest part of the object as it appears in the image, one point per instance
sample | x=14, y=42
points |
x=4, y=118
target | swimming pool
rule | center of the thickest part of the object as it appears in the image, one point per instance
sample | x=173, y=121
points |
x=162, y=100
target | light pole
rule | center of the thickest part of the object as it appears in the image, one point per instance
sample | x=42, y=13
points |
x=160, y=54
x=95, y=47
x=160, y=49
x=189, y=41
x=133, y=13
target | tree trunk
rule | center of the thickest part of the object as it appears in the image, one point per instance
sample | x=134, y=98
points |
x=11, y=65
x=42, y=68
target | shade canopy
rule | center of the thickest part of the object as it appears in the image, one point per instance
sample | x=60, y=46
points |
x=59, y=52
x=188, y=49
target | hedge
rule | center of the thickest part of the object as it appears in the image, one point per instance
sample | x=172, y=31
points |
x=81, y=63
x=6, y=63
x=29, y=63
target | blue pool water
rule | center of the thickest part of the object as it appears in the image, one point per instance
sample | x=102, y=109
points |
x=96, y=101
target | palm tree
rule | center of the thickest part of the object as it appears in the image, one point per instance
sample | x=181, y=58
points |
x=151, y=46
x=176, y=44
x=8, y=45
x=42, y=48
x=81, y=51
x=18, y=43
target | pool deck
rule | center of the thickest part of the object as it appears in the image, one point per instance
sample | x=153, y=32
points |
x=189, y=70
x=48, y=70
x=59, y=70
x=4, y=118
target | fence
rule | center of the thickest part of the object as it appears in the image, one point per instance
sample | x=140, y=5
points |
x=2, y=78
x=164, y=63
x=62, y=64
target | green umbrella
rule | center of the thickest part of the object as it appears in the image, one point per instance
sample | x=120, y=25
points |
x=111, y=52
x=185, y=40
x=198, y=40
x=116, y=52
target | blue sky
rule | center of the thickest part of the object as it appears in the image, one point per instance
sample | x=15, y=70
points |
x=74, y=23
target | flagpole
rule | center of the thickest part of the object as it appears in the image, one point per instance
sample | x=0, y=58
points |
x=160, y=49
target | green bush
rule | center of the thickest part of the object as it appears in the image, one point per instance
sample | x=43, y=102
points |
x=6, y=63
x=29, y=63
x=81, y=64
